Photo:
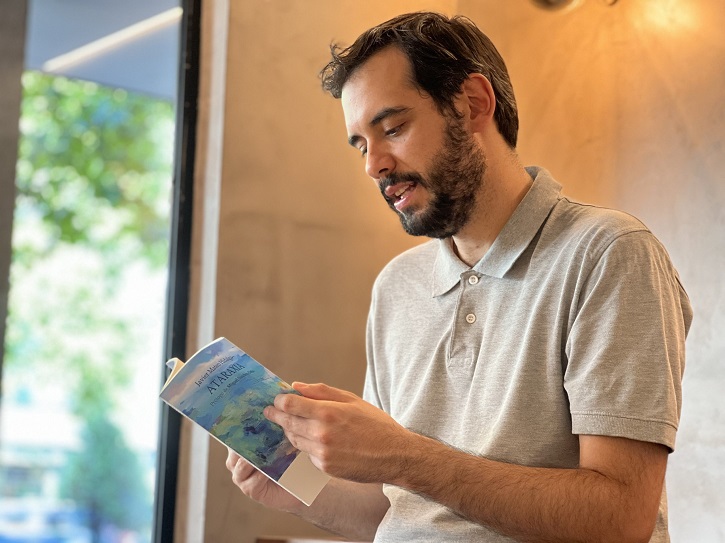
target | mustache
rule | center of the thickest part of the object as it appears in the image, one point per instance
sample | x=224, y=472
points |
x=402, y=177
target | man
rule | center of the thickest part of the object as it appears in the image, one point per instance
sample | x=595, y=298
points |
x=524, y=367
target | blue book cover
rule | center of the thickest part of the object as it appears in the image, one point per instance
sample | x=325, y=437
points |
x=224, y=390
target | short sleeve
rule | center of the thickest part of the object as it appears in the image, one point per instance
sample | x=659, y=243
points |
x=626, y=347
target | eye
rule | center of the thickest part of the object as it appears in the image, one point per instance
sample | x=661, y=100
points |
x=394, y=131
x=363, y=151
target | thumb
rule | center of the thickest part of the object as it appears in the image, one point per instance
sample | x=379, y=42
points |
x=321, y=391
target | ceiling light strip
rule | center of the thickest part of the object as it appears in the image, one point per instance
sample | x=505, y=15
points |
x=130, y=33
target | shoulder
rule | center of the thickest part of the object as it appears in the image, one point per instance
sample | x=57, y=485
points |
x=611, y=247
x=578, y=218
x=592, y=230
x=592, y=240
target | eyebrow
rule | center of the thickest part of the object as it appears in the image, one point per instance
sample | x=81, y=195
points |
x=377, y=119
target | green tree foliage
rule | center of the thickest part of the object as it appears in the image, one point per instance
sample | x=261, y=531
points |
x=107, y=478
x=68, y=325
x=94, y=168
x=93, y=181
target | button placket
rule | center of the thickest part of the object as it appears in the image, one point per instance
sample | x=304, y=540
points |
x=472, y=280
x=466, y=333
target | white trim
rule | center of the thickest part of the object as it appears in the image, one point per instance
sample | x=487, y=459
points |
x=215, y=22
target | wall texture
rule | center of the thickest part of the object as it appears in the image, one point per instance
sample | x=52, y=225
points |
x=621, y=103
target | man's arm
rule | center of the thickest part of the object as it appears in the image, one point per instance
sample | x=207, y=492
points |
x=352, y=510
x=613, y=495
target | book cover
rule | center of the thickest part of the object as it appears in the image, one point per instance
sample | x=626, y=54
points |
x=224, y=390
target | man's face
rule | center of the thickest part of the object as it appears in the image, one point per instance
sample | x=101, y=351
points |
x=427, y=166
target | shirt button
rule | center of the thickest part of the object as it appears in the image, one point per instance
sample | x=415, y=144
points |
x=470, y=318
x=473, y=279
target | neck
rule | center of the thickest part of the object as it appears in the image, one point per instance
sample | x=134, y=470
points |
x=504, y=186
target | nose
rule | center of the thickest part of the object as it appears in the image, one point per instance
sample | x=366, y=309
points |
x=379, y=162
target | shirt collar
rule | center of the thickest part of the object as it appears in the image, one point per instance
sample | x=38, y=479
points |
x=513, y=239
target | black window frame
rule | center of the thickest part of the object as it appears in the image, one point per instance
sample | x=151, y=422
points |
x=177, y=305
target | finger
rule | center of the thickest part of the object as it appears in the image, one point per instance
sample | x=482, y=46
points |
x=321, y=391
x=272, y=414
x=242, y=471
x=289, y=423
x=301, y=407
x=295, y=405
x=232, y=458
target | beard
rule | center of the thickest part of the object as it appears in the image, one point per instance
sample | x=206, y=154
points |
x=453, y=182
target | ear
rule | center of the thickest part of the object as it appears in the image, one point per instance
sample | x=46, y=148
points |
x=479, y=101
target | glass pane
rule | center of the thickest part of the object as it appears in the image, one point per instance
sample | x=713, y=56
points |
x=84, y=340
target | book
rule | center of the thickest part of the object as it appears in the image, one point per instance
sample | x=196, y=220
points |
x=224, y=390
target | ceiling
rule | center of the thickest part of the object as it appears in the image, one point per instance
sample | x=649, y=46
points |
x=138, y=48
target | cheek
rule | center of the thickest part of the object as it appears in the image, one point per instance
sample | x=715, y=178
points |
x=428, y=143
x=414, y=154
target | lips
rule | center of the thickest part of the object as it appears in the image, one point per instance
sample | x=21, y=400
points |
x=398, y=195
x=399, y=189
x=396, y=191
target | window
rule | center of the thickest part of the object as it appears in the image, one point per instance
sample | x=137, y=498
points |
x=85, y=335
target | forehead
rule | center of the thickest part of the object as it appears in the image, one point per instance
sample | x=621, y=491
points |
x=385, y=80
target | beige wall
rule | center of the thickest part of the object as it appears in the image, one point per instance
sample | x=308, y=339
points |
x=621, y=103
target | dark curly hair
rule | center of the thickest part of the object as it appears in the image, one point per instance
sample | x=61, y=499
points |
x=442, y=51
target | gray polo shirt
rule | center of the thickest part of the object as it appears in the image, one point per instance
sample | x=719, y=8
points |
x=574, y=322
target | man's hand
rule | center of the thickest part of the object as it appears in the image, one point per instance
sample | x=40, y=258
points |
x=258, y=486
x=352, y=510
x=344, y=435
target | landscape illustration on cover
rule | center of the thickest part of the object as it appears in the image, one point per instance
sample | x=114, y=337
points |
x=230, y=406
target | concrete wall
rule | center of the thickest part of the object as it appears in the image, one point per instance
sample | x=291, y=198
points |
x=622, y=103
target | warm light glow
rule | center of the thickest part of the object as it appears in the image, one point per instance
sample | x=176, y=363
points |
x=669, y=14
x=125, y=35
